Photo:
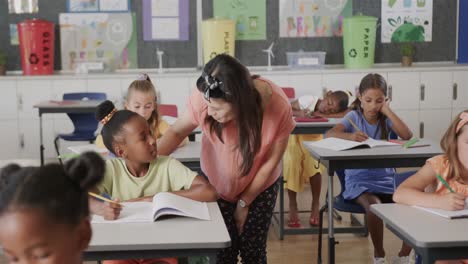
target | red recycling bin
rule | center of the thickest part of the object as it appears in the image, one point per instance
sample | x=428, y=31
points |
x=36, y=39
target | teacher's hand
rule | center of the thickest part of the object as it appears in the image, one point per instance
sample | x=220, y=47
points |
x=240, y=215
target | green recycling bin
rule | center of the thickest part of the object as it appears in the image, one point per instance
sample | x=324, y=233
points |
x=359, y=41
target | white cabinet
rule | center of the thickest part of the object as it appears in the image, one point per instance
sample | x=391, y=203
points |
x=460, y=82
x=9, y=140
x=29, y=138
x=307, y=84
x=111, y=87
x=411, y=119
x=31, y=92
x=342, y=81
x=282, y=80
x=434, y=123
x=173, y=91
x=8, y=100
x=436, y=90
x=457, y=111
x=403, y=90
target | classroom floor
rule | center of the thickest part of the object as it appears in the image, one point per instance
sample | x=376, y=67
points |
x=299, y=249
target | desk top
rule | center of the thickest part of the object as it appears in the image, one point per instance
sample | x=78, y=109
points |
x=164, y=234
x=423, y=229
x=378, y=152
x=329, y=124
x=188, y=153
x=51, y=104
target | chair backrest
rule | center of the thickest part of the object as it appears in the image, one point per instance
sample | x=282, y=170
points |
x=84, y=123
x=290, y=92
x=168, y=110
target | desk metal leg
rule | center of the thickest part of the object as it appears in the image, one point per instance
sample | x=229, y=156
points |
x=331, y=231
x=281, y=210
x=41, y=143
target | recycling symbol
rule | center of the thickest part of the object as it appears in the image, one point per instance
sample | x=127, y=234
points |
x=352, y=53
x=33, y=58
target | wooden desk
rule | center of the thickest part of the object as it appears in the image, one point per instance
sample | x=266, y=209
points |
x=382, y=157
x=170, y=237
x=432, y=237
x=69, y=106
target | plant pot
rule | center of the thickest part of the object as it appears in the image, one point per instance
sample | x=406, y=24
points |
x=2, y=69
x=406, y=61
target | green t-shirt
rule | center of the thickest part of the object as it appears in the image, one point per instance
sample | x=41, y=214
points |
x=165, y=174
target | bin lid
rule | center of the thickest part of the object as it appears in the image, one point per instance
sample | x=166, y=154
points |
x=360, y=18
x=35, y=21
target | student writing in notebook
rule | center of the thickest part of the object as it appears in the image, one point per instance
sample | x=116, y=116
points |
x=141, y=98
x=372, y=117
x=44, y=212
x=298, y=166
x=452, y=166
x=138, y=173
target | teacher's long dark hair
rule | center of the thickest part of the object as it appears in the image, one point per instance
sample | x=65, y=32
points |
x=236, y=87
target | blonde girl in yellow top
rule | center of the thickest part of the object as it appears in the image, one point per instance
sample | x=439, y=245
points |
x=141, y=98
x=299, y=167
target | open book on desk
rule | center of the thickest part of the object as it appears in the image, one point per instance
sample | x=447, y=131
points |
x=339, y=144
x=163, y=204
x=446, y=213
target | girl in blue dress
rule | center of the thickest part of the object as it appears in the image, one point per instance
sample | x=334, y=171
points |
x=372, y=115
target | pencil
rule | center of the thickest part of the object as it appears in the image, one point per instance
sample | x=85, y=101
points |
x=444, y=183
x=103, y=198
x=352, y=123
x=410, y=142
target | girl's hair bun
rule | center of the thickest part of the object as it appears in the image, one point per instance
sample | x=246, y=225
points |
x=104, y=109
x=87, y=170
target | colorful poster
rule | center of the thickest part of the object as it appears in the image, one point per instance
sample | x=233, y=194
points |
x=98, y=5
x=250, y=17
x=105, y=41
x=313, y=18
x=406, y=21
x=165, y=19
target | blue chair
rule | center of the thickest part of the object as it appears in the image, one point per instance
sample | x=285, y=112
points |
x=85, y=124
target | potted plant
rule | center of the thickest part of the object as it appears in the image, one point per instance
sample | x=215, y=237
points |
x=2, y=63
x=407, y=52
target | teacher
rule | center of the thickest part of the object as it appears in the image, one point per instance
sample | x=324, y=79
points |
x=246, y=122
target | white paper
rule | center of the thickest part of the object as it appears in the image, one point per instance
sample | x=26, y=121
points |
x=88, y=147
x=165, y=28
x=135, y=212
x=446, y=213
x=338, y=144
x=113, y=5
x=165, y=8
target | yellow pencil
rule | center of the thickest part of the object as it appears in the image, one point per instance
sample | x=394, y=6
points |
x=352, y=123
x=103, y=198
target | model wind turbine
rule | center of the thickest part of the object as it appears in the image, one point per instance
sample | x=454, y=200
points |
x=270, y=54
x=160, y=53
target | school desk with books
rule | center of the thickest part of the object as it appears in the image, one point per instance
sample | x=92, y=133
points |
x=431, y=236
x=339, y=144
x=171, y=237
x=377, y=157
x=164, y=204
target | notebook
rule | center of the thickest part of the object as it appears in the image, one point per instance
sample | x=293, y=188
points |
x=339, y=144
x=88, y=147
x=310, y=119
x=447, y=214
x=163, y=204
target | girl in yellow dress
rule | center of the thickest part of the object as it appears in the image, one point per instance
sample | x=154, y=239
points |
x=299, y=167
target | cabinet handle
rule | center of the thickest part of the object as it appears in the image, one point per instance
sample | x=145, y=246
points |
x=455, y=91
x=390, y=92
x=422, y=92
x=421, y=130
x=20, y=102
x=21, y=141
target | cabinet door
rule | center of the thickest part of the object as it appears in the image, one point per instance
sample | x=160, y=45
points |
x=8, y=100
x=436, y=90
x=173, y=90
x=456, y=112
x=31, y=92
x=434, y=123
x=460, y=82
x=29, y=137
x=411, y=119
x=111, y=87
x=403, y=90
x=342, y=81
x=9, y=140
x=306, y=84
